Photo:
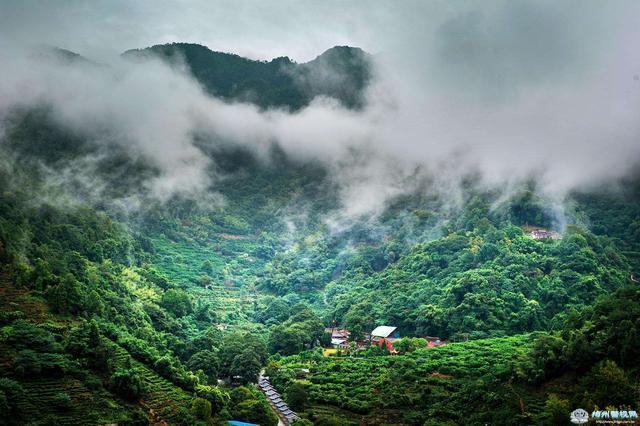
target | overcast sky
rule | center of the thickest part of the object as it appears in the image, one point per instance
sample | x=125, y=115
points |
x=300, y=29
x=510, y=88
x=259, y=29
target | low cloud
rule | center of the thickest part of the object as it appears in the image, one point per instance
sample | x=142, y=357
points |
x=509, y=91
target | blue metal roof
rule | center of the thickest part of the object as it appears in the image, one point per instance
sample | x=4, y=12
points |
x=237, y=423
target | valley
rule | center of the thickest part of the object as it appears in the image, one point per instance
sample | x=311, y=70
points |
x=194, y=237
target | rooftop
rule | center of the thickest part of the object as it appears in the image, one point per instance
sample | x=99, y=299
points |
x=383, y=331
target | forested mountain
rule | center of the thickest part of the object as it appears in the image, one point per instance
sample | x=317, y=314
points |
x=341, y=72
x=118, y=307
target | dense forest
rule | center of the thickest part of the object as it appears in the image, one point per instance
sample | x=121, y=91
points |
x=169, y=311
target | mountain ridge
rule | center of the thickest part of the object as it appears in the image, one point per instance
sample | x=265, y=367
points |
x=181, y=304
x=340, y=72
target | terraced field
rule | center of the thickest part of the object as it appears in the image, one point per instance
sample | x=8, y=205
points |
x=163, y=398
x=69, y=402
x=83, y=406
x=182, y=261
x=230, y=303
x=227, y=289
x=16, y=299
x=335, y=415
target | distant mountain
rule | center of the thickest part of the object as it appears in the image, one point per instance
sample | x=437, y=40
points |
x=341, y=72
x=116, y=308
x=62, y=55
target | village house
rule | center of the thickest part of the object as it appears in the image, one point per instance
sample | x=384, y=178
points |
x=539, y=234
x=339, y=337
x=384, y=336
x=338, y=333
x=339, y=343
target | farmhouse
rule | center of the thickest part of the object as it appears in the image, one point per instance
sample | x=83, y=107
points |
x=539, y=234
x=339, y=337
x=384, y=336
x=384, y=332
x=339, y=343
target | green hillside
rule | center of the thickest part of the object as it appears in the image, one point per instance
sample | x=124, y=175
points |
x=117, y=307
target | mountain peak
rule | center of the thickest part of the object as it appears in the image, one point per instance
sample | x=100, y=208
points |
x=341, y=72
x=61, y=55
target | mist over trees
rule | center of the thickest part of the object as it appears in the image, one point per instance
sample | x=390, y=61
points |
x=189, y=236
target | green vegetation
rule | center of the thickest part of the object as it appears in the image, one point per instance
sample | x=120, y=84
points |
x=451, y=383
x=526, y=379
x=488, y=281
x=168, y=312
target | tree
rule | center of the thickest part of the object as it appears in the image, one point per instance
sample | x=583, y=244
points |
x=184, y=417
x=207, y=267
x=556, y=410
x=177, y=302
x=250, y=406
x=235, y=344
x=207, y=361
x=94, y=304
x=164, y=366
x=85, y=342
x=409, y=344
x=210, y=339
x=284, y=340
x=359, y=319
x=216, y=396
x=204, y=312
x=66, y=297
x=246, y=367
x=608, y=385
x=275, y=312
x=297, y=395
x=10, y=393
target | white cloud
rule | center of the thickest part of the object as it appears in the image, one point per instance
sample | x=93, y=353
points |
x=509, y=89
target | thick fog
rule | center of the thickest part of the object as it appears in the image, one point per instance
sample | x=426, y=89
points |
x=508, y=90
